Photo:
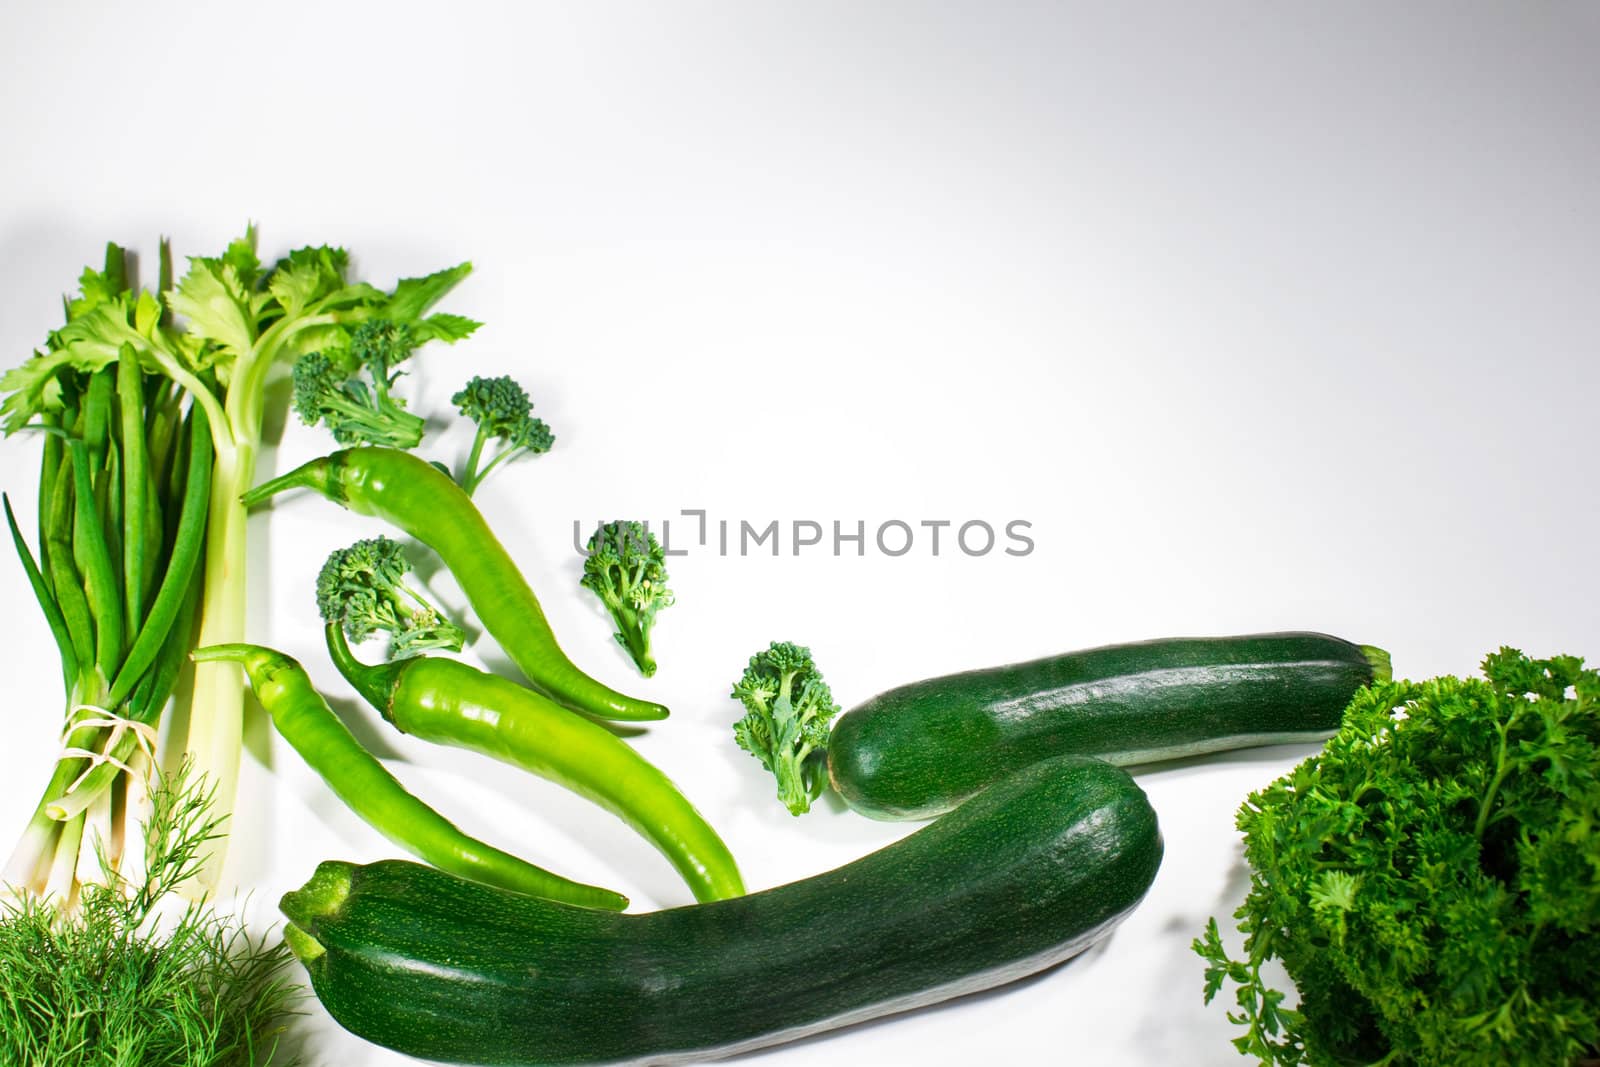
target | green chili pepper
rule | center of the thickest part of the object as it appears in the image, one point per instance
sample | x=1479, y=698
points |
x=424, y=502
x=451, y=703
x=357, y=778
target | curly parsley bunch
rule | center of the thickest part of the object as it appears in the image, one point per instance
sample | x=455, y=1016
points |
x=1431, y=879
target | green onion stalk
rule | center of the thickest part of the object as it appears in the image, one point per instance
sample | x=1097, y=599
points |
x=150, y=405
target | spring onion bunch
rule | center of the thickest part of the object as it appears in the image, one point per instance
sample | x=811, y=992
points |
x=150, y=404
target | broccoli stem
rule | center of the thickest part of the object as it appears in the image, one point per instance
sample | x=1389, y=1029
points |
x=381, y=381
x=470, y=475
x=792, y=788
x=393, y=427
x=494, y=461
x=633, y=636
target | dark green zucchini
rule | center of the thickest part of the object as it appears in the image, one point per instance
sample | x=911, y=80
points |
x=921, y=749
x=1030, y=872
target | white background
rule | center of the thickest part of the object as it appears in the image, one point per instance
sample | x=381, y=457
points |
x=1263, y=316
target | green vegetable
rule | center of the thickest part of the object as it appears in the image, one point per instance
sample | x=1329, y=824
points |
x=124, y=486
x=922, y=748
x=1431, y=879
x=505, y=420
x=451, y=703
x=627, y=569
x=1034, y=870
x=107, y=983
x=304, y=719
x=425, y=503
x=381, y=344
x=363, y=588
x=216, y=335
x=787, y=710
x=327, y=390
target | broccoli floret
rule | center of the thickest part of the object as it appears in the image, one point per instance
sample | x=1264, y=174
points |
x=626, y=568
x=378, y=346
x=324, y=392
x=504, y=415
x=328, y=390
x=363, y=589
x=787, y=711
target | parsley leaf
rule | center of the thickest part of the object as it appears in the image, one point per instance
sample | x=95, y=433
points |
x=1430, y=880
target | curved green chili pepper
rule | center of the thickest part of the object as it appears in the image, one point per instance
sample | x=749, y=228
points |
x=451, y=703
x=424, y=502
x=368, y=789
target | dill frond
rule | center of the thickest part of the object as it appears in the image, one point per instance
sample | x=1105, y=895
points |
x=118, y=982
